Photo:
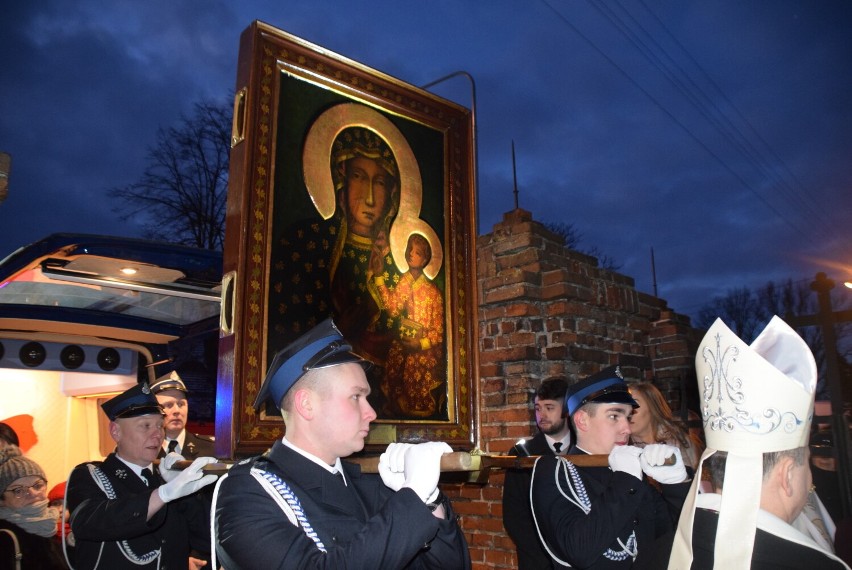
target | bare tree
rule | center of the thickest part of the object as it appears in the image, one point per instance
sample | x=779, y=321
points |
x=747, y=311
x=184, y=186
x=739, y=309
x=571, y=239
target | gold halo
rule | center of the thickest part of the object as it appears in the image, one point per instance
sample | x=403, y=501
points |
x=399, y=234
x=317, y=154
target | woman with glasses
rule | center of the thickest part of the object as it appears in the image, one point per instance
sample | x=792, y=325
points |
x=27, y=524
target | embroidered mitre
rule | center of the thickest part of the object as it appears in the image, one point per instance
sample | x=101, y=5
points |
x=755, y=399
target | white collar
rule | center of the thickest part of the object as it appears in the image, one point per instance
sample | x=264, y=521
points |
x=566, y=442
x=333, y=469
x=181, y=438
x=136, y=468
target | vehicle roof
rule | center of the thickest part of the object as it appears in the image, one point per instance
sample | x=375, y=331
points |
x=126, y=288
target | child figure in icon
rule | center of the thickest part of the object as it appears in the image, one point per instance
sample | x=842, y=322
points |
x=414, y=364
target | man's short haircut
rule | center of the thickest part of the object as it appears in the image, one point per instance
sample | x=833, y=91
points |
x=589, y=407
x=310, y=380
x=552, y=389
x=715, y=464
x=770, y=459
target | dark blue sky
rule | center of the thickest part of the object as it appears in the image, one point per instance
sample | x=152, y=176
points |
x=718, y=133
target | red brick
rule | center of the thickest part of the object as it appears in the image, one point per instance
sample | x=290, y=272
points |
x=507, y=416
x=509, y=354
x=545, y=311
x=520, y=310
x=522, y=338
x=511, y=292
x=555, y=352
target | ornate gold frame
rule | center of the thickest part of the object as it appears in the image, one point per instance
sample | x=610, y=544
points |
x=284, y=84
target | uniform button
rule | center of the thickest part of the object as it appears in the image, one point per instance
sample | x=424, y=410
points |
x=631, y=491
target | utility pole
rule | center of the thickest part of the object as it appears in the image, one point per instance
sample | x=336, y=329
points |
x=514, y=175
x=827, y=319
x=654, y=271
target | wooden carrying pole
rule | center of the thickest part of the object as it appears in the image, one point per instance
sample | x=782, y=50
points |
x=456, y=462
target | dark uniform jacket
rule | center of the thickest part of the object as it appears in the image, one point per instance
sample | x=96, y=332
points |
x=770, y=552
x=112, y=529
x=364, y=525
x=38, y=552
x=195, y=446
x=620, y=505
x=517, y=516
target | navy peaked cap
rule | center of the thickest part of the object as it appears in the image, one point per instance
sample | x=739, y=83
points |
x=170, y=381
x=320, y=347
x=607, y=387
x=135, y=401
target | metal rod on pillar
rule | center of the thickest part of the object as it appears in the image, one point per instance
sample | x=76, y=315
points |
x=654, y=272
x=475, y=141
x=823, y=286
x=514, y=175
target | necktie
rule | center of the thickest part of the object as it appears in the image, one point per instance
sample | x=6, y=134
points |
x=557, y=446
x=172, y=446
x=148, y=475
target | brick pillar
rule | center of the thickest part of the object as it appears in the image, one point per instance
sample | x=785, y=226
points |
x=549, y=311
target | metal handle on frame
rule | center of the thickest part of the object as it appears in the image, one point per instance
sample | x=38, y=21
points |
x=238, y=126
x=228, y=308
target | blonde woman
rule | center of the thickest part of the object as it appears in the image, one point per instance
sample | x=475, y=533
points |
x=653, y=422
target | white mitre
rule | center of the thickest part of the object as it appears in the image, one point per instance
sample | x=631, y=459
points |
x=755, y=399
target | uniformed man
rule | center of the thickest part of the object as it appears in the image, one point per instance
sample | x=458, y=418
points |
x=310, y=508
x=605, y=517
x=172, y=395
x=122, y=513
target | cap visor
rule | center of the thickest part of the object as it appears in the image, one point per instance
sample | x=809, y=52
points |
x=618, y=397
x=135, y=411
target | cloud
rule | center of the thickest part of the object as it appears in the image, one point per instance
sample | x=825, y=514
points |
x=717, y=133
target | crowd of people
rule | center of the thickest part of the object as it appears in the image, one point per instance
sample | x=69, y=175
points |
x=638, y=502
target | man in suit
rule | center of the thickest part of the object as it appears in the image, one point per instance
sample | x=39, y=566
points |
x=122, y=513
x=172, y=395
x=310, y=508
x=605, y=517
x=553, y=437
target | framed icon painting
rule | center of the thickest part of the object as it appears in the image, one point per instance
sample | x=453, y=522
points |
x=351, y=198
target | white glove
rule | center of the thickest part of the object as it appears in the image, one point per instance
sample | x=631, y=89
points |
x=187, y=481
x=166, y=463
x=423, y=467
x=626, y=458
x=392, y=465
x=653, y=464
